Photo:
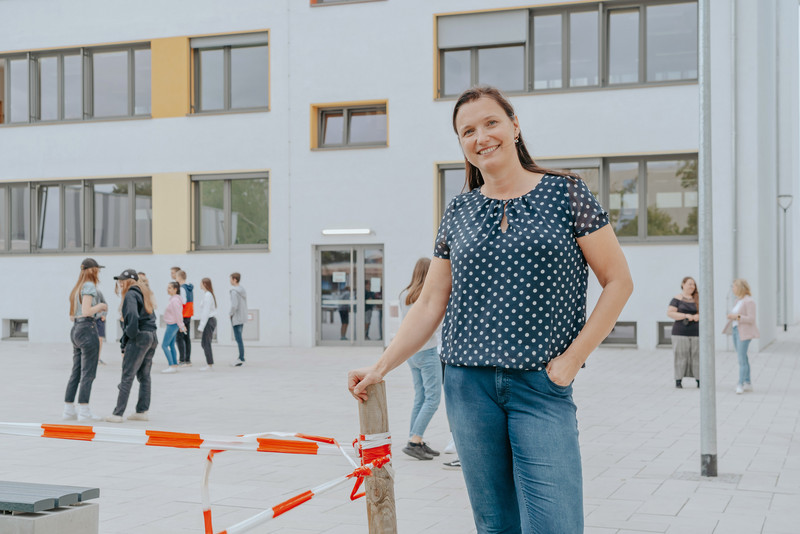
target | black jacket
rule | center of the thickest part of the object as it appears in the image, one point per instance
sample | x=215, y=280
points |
x=135, y=318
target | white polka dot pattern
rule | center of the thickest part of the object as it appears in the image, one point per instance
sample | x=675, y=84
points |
x=518, y=297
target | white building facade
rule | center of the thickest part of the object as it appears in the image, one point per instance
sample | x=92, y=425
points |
x=307, y=144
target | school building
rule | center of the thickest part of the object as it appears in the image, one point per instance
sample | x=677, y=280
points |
x=307, y=144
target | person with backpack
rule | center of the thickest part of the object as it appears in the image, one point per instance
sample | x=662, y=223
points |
x=184, y=338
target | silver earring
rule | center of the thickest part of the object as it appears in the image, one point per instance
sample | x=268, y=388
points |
x=516, y=139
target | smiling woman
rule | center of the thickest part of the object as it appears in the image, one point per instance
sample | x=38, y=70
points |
x=509, y=276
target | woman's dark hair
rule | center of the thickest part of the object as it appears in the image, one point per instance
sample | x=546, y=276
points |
x=696, y=294
x=474, y=179
x=175, y=285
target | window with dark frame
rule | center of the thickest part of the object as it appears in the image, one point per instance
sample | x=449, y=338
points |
x=352, y=126
x=561, y=48
x=623, y=333
x=665, y=333
x=231, y=211
x=75, y=84
x=231, y=73
x=648, y=198
x=53, y=216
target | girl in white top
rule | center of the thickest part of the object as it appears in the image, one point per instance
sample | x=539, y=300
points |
x=208, y=320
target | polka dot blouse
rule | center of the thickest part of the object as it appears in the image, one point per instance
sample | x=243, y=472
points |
x=518, y=297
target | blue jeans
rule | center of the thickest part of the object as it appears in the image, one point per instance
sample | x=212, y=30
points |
x=741, y=347
x=517, y=438
x=237, y=335
x=426, y=370
x=169, y=344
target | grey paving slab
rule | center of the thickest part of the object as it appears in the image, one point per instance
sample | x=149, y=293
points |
x=640, y=443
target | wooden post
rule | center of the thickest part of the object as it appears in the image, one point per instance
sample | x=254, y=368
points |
x=373, y=417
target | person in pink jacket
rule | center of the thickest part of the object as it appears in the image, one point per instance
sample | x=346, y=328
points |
x=173, y=316
x=742, y=324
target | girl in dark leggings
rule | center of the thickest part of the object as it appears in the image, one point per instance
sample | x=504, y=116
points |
x=208, y=320
x=83, y=305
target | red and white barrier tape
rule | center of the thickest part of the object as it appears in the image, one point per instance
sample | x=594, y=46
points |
x=374, y=451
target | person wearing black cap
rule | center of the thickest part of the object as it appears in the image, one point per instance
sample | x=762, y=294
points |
x=83, y=304
x=138, y=344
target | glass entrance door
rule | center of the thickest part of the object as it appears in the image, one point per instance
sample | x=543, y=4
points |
x=349, y=295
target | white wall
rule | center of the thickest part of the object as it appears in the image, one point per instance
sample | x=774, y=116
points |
x=385, y=50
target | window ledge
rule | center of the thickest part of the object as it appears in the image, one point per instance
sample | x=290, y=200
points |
x=591, y=88
x=618, y=346
x=345, y=147
x=227, y=112
x=229, y=250
x=340, y=2
x=75, y=121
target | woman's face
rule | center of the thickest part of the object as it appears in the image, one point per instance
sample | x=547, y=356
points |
x=689, y=286
x=486, y=134
x=735, y=290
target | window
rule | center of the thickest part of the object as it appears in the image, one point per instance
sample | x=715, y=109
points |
x=119, y=214
x=452, y=178
x=351, y=126
x=623, y=333
x=78, y=84
x=665, y=333
x=231, y=73
x=556, y=48
x=231, y=211
x=16, y=328
x=650, y=198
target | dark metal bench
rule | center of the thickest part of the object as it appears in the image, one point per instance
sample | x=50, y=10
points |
x=27, y=497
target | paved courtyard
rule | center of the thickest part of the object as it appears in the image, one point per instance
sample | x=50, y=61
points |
x=640, y=441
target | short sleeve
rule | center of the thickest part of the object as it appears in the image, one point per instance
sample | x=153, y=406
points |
x=441, y=248
x=674, y=302
x=89, y=289
x=588, y=214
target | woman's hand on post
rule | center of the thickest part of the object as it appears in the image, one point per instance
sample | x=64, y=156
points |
x=359, y=379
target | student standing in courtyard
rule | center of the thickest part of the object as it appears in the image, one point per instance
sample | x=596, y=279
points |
x=208, y=321
x=683, y=308
x=509, y=277
x=426, y=372
x=238, y=314
x=174, y=322
x=742, y=325
x=138, y=344
x=83, y=305
x=184, y=338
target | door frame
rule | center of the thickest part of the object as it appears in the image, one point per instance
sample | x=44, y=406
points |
x=358, y=317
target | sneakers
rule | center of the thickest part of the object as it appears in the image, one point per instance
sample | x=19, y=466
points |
x=85, y=414
x=206, y=368
x=739, y=389
x=185, y=364
x=429, y=450
x=416, y=450
x=70, y=413
x=451, y=447
x=114, y=419
x=237, y=363
x=452, y=466
x=170, y=369
x=748, y=386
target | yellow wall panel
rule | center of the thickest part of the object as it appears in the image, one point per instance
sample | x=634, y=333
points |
x=171, y=213
x=171, y=76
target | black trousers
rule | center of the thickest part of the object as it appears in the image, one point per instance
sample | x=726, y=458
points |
x=85, y=353
x=208, y=335
x=184, y=341
x=136, y=363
